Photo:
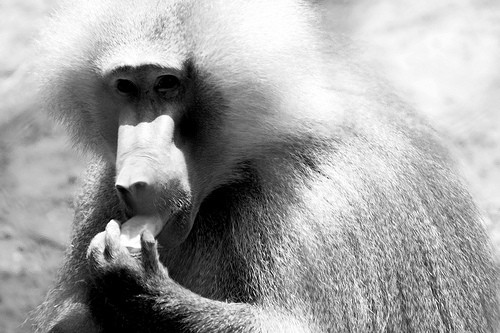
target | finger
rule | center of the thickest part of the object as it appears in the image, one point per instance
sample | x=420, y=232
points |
x=95, y=250
x=149, y=252
x=111, y=239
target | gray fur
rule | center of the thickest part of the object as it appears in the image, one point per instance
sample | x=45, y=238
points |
x=326, y=204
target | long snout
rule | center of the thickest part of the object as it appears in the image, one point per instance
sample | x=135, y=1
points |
x=149, y=166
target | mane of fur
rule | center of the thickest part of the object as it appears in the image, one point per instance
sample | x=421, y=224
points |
x=266, y=57
x=370, y=214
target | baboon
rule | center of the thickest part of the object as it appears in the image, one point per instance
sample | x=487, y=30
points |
x=269, y=182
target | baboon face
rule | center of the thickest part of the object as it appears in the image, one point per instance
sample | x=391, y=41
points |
x=171, y=131
x=162, y=125
x=177, y=108
x=142, y=132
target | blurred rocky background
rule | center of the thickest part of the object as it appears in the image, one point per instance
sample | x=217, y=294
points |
x=442, y=56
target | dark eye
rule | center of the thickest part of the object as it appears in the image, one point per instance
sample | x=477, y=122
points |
x=167, y=84
x=126, y=87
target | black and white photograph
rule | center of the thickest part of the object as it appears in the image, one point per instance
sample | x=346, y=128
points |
x=249, y=166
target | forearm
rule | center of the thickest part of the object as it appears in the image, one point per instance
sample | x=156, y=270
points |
x=192, y=313
x=176, y=309
x=198, y=315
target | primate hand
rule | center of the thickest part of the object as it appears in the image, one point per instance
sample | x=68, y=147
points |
x=120, y=274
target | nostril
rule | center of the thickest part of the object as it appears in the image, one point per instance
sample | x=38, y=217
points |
x=122, y=191
x=134, y=186
x=131, y=189
x=132, y=193
x=126, y=197
x=138, y=186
